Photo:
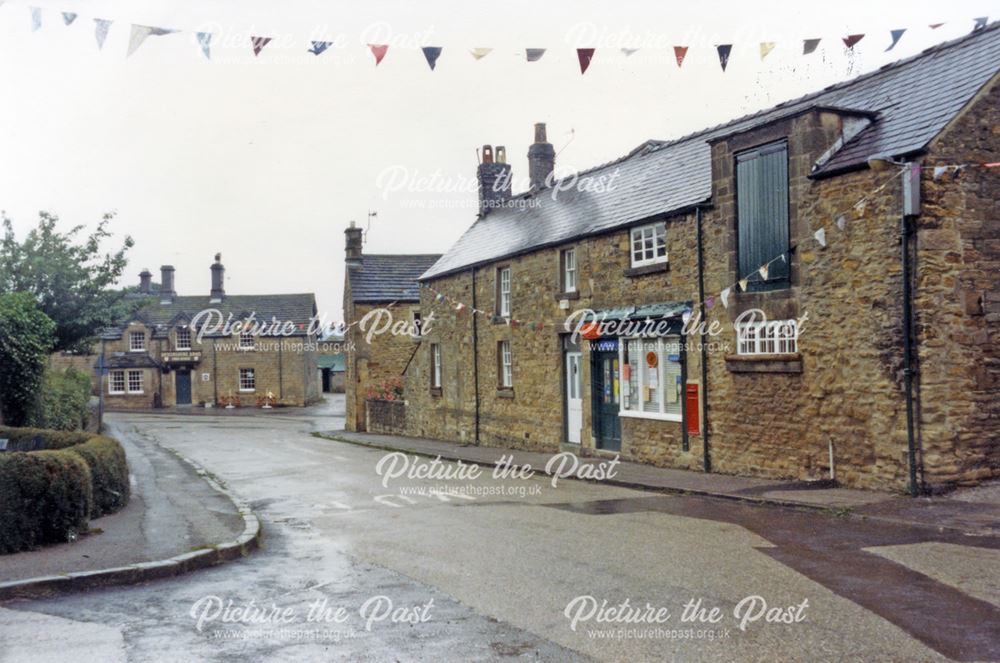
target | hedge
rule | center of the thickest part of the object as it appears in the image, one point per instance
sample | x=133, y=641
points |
x=48, y=495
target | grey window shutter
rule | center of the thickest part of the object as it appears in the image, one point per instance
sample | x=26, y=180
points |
x=762, y=215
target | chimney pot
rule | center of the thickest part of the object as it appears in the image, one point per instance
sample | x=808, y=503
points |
x=167, y=292
x=145, y=281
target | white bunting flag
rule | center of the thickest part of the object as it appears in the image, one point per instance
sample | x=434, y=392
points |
x=205, y=41
x=820, y=236
x=724, y=296
x=68, y=17
x=939, y=171
x=36, y=19
x=101, y=26
x=629, y=51
x=139, y=34
x=841, y=222
x=743, y=284
x=763, y=272
x=480, y=53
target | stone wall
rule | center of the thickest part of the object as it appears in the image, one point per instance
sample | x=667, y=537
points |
x=386, y=417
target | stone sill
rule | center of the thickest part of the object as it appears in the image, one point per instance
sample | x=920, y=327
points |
x=647, y=269
x=567, y=295
x=505, y=392
x=436, y=392
x=784, y=363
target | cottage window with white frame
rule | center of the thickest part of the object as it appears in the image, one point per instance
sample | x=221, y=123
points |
x=767, y=338
x=503, y=292
x=569, y=270
x=247, y=341
x=183, y=336
x=137, y=341
x=652, y=385
x=135, y=382
x=506, y=365
x=649, y=244
x=435, y=366
x=248, y=380
x=116, y=382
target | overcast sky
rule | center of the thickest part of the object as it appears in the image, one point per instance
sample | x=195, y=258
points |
x=268, y=158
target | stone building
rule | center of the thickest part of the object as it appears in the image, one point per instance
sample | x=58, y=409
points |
x=794, y=365
x=380, y=293
x=188, y=350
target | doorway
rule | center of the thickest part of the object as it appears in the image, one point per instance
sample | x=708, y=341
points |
x=574, y=398
x=606, y=390
x=182, y=386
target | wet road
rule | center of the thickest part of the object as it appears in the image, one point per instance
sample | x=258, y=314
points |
x=461, y=569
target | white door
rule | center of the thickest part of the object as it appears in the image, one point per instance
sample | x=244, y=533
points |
x=574, y=399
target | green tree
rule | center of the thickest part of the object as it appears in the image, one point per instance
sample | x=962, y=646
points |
x=68, y=274
x=26, y=336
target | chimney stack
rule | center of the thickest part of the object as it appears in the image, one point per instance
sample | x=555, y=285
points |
x=541, y=158
x=494, y=179
x=353, y=250
x=218, y=276
x=145, y=281
x=167, y=293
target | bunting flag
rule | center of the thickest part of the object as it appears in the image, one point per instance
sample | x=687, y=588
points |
x=724, y=296
x=68, y=18
x=820, y=236
x=935, y=26
x=939, y=171
x=809, y=46
x=101, y=27
x=258, y=44
x=743, y=284
x=763, y=272
x=629, y=51
x=841, y=221
x=765, y=48
x=36, y=19
x=679, y=53
x=851, y=40
x=432, y=53
x=480, y=53
x=205, y=41
x=534, y=54
x=319, y=46
x=710, y=303
x=584, y=55
x=724, y=51
x=896, y=34
x=379, y=51
x=980, y=22
x=139, y=34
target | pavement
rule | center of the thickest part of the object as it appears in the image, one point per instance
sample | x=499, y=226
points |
x=974, y=511
x=496, y=568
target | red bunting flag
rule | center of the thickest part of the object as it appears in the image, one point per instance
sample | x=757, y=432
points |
x=379, y=51
x=851, y=40
x=724, y=51
x=259, y=43
x=679, y=53
x=585, y=55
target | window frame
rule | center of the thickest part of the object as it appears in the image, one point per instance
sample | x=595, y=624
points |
x=111, y=382
x=436, y=370
x=241, y=344
x=566, y=257
x=754, y=281
x=505, y=365
x=177, y=338
x=240, y=380
x=504, y=277
x=662, y=355
x=641, y=230
x=767, y=338
x=132, y=336
x=128, y=381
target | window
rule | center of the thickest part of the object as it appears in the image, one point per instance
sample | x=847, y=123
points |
x=503, y=292
x=652, y=384
x=417, y=321
x=247, y=380
x=766, y=338
x=183, y=336
x=247, y=341
x=762, y=215
x=505, y=365
x=116, y=382
x=137, y=341
x=435, y=366
x=649, y=245
x=569, y=270
x=135, y=382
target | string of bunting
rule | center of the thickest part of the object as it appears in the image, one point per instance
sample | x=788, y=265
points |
x=431, y=54
x=839, y=219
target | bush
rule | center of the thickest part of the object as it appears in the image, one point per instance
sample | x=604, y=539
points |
x=47, y=495
x=63, y=402
x=26, y=335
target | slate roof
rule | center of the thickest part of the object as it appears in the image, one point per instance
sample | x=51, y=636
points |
x=298, y=308
x=389, y=278
x=910, y=102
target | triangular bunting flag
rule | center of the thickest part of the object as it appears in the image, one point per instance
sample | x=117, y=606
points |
x=935, y=26
x=809, y=46
x=939, y=171
x=820, y=236
x=379, y=51
x=980, y=22
x=36, y=18
x=724, y=51
x=851, y=40
x=258, y=44
x=896, y=34
x=534, y=54
x=319, y=46
x=860, y=206
x=629, y=51
x=101, y=26
x=480, y=53
x=709, y=303
x=584, y=55
x=743, y=284
x=139, y=34
x=724, y=296
x=995, y=164
x=68, y=18
x=841, y=221
x=205, y=41
x=679, y=53
x=765, y=48
x=763, y=272
x=432, y=53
